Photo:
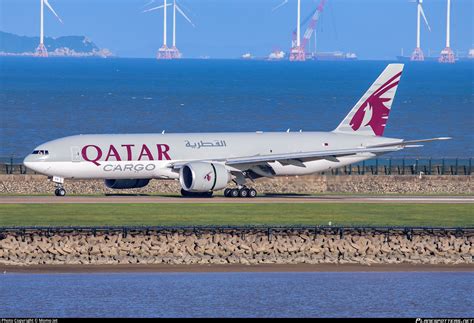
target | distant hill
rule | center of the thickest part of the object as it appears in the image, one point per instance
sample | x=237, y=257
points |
x=80, y=46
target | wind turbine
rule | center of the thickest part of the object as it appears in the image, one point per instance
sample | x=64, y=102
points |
x=41, y=49
x=296, y=52
x=447, y=54
x=164, y=52
x=417, y=54
x=175, y=50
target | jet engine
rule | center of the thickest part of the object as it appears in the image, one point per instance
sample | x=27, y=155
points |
x=203, y=177
x=126, y=183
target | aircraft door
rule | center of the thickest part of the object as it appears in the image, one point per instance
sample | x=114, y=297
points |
x=75, y=154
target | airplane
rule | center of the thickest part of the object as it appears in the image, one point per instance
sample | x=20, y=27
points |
x=208, y=162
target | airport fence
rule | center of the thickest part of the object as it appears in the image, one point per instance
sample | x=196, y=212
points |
x=407, y=166
x=378, y=166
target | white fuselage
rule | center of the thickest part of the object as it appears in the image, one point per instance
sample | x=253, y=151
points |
x=146, y=156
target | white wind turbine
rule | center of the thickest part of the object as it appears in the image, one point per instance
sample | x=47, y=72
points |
x=447, y=54
x=296, y=52
x=41, y=49
x=164, y=52
x=417, y=54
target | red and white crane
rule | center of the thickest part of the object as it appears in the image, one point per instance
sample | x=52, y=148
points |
x=298, y=52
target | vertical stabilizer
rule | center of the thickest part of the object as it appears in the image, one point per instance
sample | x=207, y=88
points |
x=370, y=115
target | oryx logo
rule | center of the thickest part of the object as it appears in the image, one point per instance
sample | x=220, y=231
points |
x=208, y=176
x=373, y=111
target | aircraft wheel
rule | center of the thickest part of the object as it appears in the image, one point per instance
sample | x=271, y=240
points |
x=243, y=192
x=252, y=193
x=60, y=192
x=234, y=192
x=227, y=192
x=185, y=193
x=208, y=194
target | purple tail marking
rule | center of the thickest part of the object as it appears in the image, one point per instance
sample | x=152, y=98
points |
x=379, y=111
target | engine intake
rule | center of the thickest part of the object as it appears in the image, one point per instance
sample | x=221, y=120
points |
x=203, y=177
x=126, y=183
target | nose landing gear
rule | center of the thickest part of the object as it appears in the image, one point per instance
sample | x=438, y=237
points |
x=60, y=191
x=59, y=181
x=240, y=192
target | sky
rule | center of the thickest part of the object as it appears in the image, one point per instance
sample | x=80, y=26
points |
x=373, y=29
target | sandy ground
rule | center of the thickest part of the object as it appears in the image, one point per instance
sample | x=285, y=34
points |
x=219, y=199
x=233, y=268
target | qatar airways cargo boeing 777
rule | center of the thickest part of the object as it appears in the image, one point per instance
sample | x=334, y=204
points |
x=207, y=162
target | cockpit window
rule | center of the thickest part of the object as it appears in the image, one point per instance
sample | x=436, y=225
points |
x=40, y=152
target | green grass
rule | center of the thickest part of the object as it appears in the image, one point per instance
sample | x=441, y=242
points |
x=383, y=214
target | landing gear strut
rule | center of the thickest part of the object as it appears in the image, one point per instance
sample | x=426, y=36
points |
x=240, y=192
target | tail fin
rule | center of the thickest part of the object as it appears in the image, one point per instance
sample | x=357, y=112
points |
x=370, y=115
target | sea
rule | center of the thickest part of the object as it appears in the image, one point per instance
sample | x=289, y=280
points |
x=43, y=99
x=234, y=294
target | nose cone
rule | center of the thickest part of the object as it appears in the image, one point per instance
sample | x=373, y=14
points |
x=36, y=163
x=29, y=162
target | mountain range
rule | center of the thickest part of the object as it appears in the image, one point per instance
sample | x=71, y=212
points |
x=77, y=46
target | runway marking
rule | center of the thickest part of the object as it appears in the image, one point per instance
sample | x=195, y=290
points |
x=219, y=199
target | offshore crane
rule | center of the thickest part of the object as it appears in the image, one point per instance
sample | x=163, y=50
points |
x=298, y=53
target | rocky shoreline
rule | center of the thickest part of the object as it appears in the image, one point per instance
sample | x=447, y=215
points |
x=244, y=246
x=391, y=184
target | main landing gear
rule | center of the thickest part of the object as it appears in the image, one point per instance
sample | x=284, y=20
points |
x=240, y=192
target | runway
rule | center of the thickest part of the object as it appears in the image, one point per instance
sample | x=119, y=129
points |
x=219, y=199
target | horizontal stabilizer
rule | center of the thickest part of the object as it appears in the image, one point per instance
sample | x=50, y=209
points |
x=413, y=146
x=409, y=143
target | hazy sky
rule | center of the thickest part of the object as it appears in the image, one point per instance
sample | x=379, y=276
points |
x=374, y=29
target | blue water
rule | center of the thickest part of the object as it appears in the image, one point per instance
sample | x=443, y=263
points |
x=238, y=294
x=42, y=99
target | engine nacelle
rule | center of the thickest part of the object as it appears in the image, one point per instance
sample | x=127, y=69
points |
x=203, y=177
x=121, y=184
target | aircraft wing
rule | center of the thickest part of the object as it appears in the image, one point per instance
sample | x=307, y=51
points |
x=308, y=156
x=295, y=158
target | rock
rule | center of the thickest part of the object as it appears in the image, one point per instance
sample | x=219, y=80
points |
x=254, y=247
x=52, y=250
